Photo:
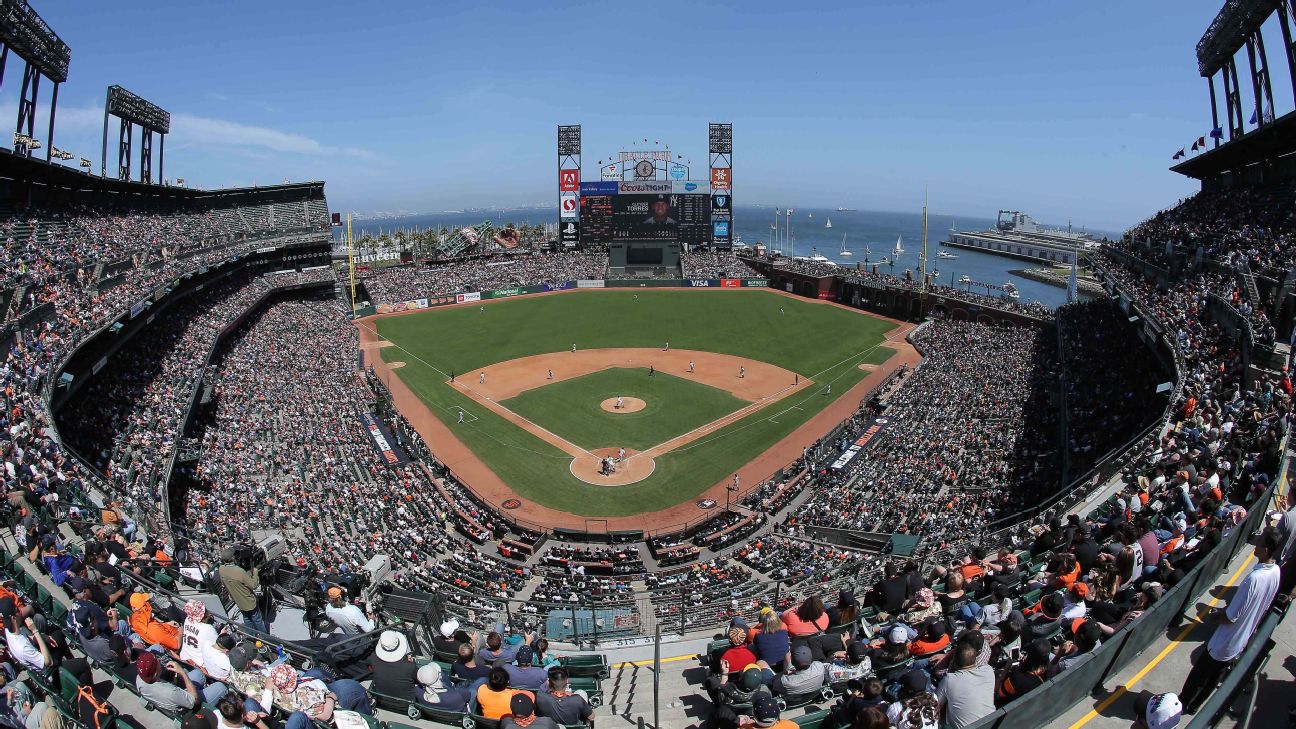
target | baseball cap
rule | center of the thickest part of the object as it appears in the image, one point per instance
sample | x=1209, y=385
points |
x=913, y=682
x=525, y=655
x=765, y=709
x=898, y=635
x=750, y=678
x=1159, y=711
x=201, y=718
x=522, y=705
x=334, y=593
x=148, y=666
x=449, y=627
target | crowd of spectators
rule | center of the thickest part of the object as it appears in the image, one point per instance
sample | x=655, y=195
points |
x=714, y=265
x=406, y=283
x=967, y=439
x=1257, y=224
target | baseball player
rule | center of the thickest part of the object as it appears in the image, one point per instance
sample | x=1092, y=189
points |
x=620, y=403
x=651, y=371
x=573, y=348
x=829, y=390
x=692, y=367
x=551, y=374
x=481, y=379
x=742, y=372
x=461, y=416
x=667, y=347
x=621, y=453
x=780, y=311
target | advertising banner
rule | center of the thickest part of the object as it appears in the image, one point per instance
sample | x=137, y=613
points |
x=560, y=286
x=678, y=171
x=720, y=229
x=700, y=283
x=504, y=293
x=381, y=443
x=730, y=283
x=643, y=187
x=599, y=188
x=721, y=179
x=568, y=205
x=827, y=295
x=569, y=233
x=467, y=298
x=138, y=308
x=586, y=283
x=721, y=205
x=755, y=283
x=690, y=187
x=569, y=180
x=860, y=444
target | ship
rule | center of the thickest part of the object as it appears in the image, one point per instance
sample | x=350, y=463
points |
x=846, y=210
x=945, y=254
x=1017, y=235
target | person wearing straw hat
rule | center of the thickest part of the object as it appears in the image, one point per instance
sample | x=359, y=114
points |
x=394, y=672
x=307, y=699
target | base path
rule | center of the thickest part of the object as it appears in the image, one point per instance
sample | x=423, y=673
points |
x=491, y=489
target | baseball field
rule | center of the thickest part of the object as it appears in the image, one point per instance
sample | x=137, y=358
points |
x=706, y=382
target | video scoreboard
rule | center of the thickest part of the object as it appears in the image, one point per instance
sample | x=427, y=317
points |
x=675, y=211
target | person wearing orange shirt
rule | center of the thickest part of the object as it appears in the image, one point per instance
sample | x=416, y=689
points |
x=807, y=618
x=494, y=698
x=151, y=630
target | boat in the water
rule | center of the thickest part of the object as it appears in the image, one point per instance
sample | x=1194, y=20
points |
x=845, y=210
x=882, y=261
x=843, y=252
x=817, y=257
x=965, y=279
x=945, y=254
x=828, y=224
x=895, y=252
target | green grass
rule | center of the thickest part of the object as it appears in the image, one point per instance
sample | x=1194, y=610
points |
x=674, y=406
x=825, y=343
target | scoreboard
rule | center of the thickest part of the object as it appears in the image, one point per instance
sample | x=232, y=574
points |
x=677, y=217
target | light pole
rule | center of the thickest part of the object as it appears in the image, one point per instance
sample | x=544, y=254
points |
x=787, y=233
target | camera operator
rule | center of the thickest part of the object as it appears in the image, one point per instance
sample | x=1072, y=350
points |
x=346, y=615
x=242, y=587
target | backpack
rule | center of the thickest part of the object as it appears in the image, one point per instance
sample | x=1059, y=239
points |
x=102, y=712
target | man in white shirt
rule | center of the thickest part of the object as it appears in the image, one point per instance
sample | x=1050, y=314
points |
x=33, y=657
x=1237, y=623
x=345, y=615
x=216, y=659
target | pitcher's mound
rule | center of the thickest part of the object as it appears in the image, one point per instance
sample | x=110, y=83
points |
x=634, y=468
x=628, y=405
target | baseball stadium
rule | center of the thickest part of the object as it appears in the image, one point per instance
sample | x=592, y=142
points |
x=271, y=466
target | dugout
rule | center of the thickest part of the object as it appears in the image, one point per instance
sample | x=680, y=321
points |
x=644, y=257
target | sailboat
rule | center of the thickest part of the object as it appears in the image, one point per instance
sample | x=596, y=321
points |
x=811, y=216
x=844, y=253
x=895, y=253
x=828, y=224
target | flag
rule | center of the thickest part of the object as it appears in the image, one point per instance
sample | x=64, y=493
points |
x=1217, y=133
x=1268, y=113
x=1201, y=142
x=1178, y=154
x=1253, y=118
x=1073, y=293
x=1194, y=147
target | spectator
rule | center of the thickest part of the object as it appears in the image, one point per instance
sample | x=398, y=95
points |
x=522, y=714
x=435, y=691
x=968, y=691
x=394, y=672
x=562, y=705
x=346, y=615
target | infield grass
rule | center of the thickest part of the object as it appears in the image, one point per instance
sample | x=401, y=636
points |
x=673, y=406
x=824, y=343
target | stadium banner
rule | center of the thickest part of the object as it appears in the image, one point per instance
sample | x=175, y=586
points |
x=467, y=298
x=690, y=187
x=565, y=285
x=568, y=205
x=827, y=296
x=860, y=444
x=598, y=188
x=569, y=233
x=701, y=283
x=730, y=283
x=590, y=283
x=755, y=283
x=382, y=441
x=513, y=291
x=646, y=187
x=721, y=178
x=138, y=308
x=568, y=180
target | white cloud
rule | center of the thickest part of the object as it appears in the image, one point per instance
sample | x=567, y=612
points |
x=200, y=130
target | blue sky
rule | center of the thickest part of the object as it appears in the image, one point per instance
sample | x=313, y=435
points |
x=1066, y=110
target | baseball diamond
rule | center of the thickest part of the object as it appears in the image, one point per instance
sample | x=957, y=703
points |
x=540, y=429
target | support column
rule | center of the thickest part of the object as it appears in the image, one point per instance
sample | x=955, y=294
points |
x=146, y=155
x=49, y=138
x=27, y=107
x=1286, y=14
x=124, y=151
x=1256, y=72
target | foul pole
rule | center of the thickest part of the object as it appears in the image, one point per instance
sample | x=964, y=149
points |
x=351, y=265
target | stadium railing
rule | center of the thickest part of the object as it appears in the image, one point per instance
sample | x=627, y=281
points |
x=1243, y=676
x=1087, y=678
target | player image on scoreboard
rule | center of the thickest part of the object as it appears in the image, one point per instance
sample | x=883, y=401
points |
x=645, y=217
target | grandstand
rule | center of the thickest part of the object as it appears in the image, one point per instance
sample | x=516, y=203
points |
x=1011, y=524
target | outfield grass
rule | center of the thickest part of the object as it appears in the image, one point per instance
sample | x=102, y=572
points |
x=674, y=406
x=824, y=343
